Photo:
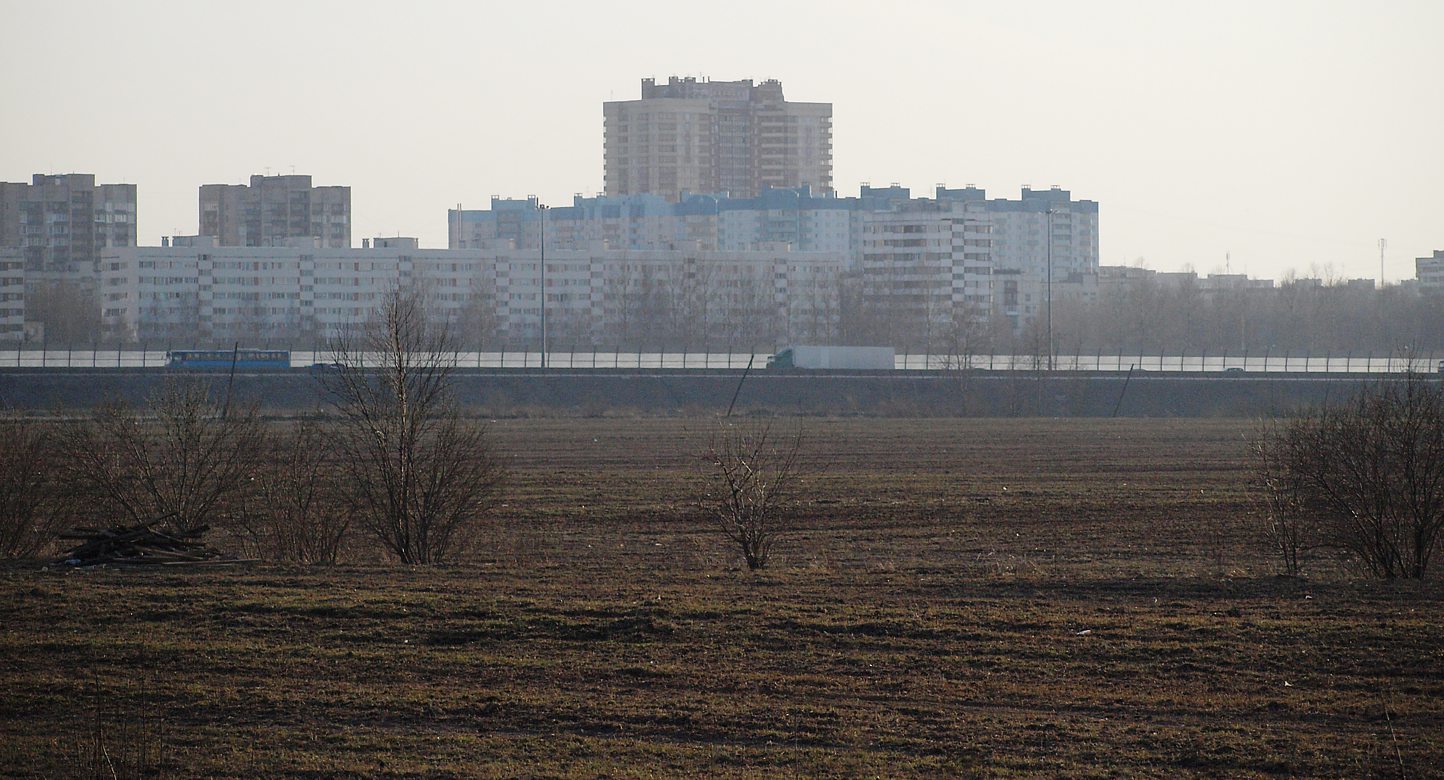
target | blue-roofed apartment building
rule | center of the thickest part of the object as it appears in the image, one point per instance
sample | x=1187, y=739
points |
x=926, y=260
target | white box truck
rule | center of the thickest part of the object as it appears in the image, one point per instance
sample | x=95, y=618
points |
x=854, y=358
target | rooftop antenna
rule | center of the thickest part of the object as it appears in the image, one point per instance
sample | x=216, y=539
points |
x=1382, y=244
x=1227, y=262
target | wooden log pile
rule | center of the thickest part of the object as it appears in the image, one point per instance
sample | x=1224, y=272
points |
x=138, y=545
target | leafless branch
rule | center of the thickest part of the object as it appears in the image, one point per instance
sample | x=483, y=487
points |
x=297, y=511
x=1367, y=476
x=34, y=501
x=186, y=461
x=748, y=476
x=420, y=476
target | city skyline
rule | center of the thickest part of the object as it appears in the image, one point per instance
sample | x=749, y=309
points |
x=1280, y=136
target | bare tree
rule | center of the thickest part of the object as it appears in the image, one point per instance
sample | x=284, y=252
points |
x=966, y=336
x=186, y=463
x=34, y=502
x=297, y=513
x=421, y=477
x=1370, y=474
x=747, y=478
x=1290, y=529
x=477, y=323
x=70, y=311
x=692, y=309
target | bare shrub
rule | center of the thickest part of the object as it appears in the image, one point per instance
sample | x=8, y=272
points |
x=296, y=510
x=1367, y=477
x=1290, y=530
x=747, y=478
x=185, y=463
x=967, y=336
x=420, y=476
x=34, y=504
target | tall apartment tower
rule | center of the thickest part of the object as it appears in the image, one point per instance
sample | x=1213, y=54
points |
x=273, y=209
x=60, y=223
x=691, y=136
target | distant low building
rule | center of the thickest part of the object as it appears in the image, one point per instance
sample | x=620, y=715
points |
x=1234, y=282
x=1119, y=280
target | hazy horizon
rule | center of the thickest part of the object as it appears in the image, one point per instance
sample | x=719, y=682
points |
x=1287, y=135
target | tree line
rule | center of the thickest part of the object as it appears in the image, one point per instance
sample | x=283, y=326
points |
x=695, y=309
x=1294, y=317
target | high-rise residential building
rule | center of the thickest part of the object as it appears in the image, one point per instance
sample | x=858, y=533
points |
x=271, y=210
x=61, y=223
x=733, y=137
x=927, y=263
x=1043, y=233
x=1429, y=271
x=12, y=293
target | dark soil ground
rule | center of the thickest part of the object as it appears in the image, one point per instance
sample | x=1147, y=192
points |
x=994, y=598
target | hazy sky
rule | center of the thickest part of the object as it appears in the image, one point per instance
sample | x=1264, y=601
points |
x=1287, y=134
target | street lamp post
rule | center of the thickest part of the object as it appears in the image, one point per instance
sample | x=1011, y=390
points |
x=1049, y=293
x=543, y=209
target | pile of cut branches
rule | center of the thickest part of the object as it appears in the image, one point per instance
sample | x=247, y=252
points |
x=139, y=545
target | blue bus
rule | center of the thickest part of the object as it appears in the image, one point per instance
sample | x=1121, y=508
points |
x=223, y=358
